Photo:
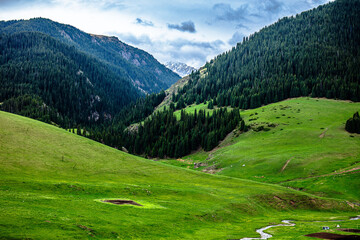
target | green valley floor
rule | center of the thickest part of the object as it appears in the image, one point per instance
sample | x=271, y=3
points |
x=53, y=184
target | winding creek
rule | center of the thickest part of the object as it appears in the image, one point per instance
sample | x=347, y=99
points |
x=286, y=223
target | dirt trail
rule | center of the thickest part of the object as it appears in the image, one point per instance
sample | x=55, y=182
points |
x=322, y=135
x=352, y=170
x=287, y=162
x=337, y=173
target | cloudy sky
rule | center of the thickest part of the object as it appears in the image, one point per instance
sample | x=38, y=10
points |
x=192, y=32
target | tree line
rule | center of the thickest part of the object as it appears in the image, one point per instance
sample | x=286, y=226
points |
x=162, y=135
x=315, y=53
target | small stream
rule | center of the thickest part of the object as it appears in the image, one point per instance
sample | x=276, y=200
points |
x=286, y=223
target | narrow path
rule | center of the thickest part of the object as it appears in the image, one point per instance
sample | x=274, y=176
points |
x=287, y=162
x=352, y=170
x=322, y=135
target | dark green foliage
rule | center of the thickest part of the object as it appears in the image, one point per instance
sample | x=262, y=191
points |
x=313, y=54
x=78, y=130
x=162, y=135
x=353, y=124
x=133, y=65
x=50, y=81
x=242, y=125
x=211, y=105
x=32, y=107
x=112, y=132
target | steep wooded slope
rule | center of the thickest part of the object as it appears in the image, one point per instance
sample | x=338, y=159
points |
x=314, y=53
x=48, y=80
x=137, y=66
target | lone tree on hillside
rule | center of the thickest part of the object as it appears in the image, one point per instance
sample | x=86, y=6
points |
x=353, y=124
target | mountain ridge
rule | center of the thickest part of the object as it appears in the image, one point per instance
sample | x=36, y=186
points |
x=140, y=67
x=315, y=53
x=180, y=68
x=49, y=80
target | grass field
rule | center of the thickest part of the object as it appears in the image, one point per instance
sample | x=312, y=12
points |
x=52, y=183
x=302, y=138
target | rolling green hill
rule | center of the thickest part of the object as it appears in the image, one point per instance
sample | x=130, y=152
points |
x=299, y=143
x=52, y=183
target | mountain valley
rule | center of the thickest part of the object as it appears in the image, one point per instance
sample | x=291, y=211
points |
x=99, y=140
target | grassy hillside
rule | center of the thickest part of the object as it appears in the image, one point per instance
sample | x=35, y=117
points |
x=52, y=181
x=303, y=145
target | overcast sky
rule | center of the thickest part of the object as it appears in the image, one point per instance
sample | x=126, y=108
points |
x=192, y=32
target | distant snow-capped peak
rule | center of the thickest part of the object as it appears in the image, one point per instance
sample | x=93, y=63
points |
x=180, y=68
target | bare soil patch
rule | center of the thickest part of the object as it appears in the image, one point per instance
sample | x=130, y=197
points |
x=322, y=135
x=332, y=236
x=123, y=202
x=287, y=162
x=212, y=170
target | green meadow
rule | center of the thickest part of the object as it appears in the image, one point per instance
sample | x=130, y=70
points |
x=52, y=184
x=299, y=143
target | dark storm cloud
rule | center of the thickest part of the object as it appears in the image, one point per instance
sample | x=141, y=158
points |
x=262, y=9
x=237, y=37
x=225, y=12
x=144, y=22
x=272, y=6
x=188, y=26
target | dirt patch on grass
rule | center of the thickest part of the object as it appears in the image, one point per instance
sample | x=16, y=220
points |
x=322, y=135
x=122, y=202
x=212, y=170
x=332, y=236
x=89, y=230
x=189, y=162
x=350, y=170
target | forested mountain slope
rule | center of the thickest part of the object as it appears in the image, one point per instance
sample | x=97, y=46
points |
x=314, y=53
x=43, y=78
x=135, y=65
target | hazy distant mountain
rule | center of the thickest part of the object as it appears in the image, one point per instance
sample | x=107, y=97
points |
x=180, y=68
x=137, y=66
